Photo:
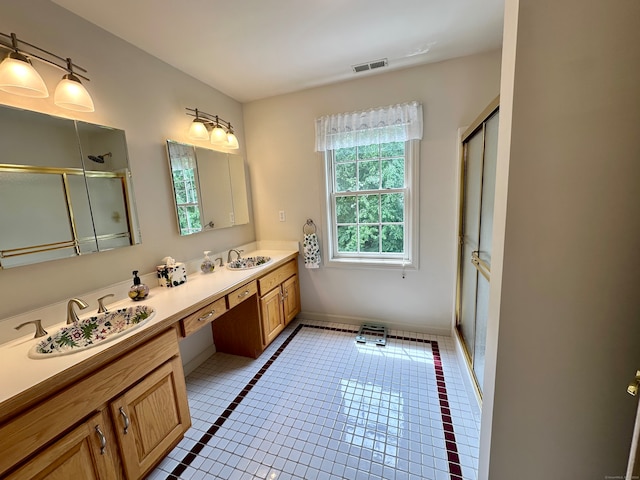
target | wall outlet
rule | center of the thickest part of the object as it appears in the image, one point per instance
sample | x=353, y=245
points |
x=282, y=215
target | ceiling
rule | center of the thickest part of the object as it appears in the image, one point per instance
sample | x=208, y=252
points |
x=252, y=49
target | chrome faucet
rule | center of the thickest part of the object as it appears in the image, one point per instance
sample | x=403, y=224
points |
x=238, y=252
x=72, y=316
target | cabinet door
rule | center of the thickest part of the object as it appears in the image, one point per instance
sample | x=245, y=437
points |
x=86, y=452
x=272, y=316
x=291, y=300
x=151, y=418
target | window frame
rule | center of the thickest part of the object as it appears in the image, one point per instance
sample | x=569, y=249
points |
x=411, y=217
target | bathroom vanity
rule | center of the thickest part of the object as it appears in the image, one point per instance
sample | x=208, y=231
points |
x=115, y=410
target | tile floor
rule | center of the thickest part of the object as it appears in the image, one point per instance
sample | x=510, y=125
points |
x=318, y=405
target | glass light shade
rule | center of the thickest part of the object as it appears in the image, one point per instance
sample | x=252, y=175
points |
x=18, y=76
x=72, y=95
x=198, y=131
x=232, y=141
x=218, y=136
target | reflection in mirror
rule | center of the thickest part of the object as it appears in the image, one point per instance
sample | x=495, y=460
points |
x=104, y=153
x=209, y=188
x=238, y=190
x=50, y=206
x=184, y=176
x=215, y=188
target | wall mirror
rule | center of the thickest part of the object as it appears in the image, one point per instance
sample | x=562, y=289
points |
x=65, y=188
x=209, y=188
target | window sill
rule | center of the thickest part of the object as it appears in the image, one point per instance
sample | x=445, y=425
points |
x=371, y=263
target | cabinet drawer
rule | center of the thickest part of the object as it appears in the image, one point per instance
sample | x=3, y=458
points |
x=203, y=317
x=279, y=275
x=242, y=293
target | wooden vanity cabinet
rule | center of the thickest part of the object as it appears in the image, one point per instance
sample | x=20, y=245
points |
x=118, y=421
x=279, y=300
x=258, y=312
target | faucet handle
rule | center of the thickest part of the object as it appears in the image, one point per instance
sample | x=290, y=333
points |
x=101, y=307
x=40, y=332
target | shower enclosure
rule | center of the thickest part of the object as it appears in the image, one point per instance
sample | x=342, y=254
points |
x=479, y=155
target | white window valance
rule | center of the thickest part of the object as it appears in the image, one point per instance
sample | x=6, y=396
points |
x=395, y=123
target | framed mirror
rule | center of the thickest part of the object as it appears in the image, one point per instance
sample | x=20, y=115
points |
x=209, y=188
x=65, y=188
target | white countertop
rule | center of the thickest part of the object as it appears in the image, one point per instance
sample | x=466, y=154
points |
x=20, y=373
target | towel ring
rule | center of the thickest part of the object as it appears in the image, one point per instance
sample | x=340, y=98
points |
x=309, y=227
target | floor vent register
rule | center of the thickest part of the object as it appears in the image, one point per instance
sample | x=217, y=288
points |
x=372, y=333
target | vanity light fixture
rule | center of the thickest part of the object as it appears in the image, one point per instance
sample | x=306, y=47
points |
x=18, y=76
x=213, y=128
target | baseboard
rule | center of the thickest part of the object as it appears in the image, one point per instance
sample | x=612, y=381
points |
x=408, y=327
x=198, y=360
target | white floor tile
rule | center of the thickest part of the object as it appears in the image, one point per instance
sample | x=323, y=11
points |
x=328, y=407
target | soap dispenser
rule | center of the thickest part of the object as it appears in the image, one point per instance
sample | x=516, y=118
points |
x=207, y=265
x=138, y=290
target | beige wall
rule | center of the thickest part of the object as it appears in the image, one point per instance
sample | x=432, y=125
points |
x=145, y=97
x=286, y=174
x=565, y=324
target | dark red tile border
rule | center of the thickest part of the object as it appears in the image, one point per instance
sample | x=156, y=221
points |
x=455, y=471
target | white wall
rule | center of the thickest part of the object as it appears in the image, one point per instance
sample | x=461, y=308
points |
x=568, y=308
x=287, y=174
x=145, y=97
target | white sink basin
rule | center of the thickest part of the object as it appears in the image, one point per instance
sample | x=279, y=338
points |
x=91, y=332
x=248, y=262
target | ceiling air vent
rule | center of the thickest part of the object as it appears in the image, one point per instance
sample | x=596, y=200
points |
x=364, y=67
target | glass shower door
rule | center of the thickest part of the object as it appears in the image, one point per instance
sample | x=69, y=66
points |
x=480, y=156
x=470, y=240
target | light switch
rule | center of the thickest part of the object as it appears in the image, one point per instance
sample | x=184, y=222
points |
x=283, y=217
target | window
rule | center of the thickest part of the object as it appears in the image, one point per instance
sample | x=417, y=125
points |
x=371, y=190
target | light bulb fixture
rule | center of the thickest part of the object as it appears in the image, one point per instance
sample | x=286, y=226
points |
x=218, y=134
x=232, y=140
x=19, y=77
x=198, y=129
x=71, y=94
x=213, y=128
x=17, y=74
